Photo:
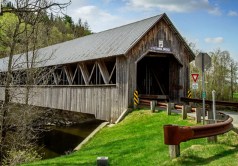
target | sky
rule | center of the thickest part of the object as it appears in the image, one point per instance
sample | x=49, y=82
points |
x=210, y=24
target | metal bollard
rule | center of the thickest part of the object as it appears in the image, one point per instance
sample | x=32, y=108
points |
x=102, y=161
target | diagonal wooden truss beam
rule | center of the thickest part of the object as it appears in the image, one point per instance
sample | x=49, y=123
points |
x=69, y=74
x=56, y=79
x=104, y=72
x=75, y=72
x=91, y=75
x=84, y=72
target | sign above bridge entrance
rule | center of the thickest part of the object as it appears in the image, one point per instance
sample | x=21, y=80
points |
x=161, y=49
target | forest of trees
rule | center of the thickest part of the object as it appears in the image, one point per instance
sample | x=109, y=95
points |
x=52, y=29
x=221, y=77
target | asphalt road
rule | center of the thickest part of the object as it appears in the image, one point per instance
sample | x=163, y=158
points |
x=234, y=115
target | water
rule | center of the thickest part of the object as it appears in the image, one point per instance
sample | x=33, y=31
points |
x=62, y=140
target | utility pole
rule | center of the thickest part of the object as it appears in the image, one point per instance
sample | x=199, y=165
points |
x=0, y=7
x=232, y=80
x=203, y=89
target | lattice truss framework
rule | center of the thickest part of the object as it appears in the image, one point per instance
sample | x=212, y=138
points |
x=97, y=72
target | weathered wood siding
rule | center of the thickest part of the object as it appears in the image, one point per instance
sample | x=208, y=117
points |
x=161, y=31
x=122, y=84
x=106, y=102
x=102, y=101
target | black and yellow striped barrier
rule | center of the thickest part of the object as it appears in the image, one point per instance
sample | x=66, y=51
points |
x=189, y=94
x=136, y=98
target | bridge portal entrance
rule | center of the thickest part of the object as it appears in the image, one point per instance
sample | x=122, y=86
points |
x=153, y=76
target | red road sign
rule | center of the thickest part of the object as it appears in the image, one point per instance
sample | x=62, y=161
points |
x=195, y=77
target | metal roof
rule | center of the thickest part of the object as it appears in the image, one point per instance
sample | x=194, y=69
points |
x=112, y=42
x=108, y=43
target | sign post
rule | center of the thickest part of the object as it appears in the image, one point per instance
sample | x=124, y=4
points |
x=214, y=105
x=203, y=61
x=0, y=7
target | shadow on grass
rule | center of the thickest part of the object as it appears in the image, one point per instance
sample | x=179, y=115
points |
x=195, y=160
x=68, y=164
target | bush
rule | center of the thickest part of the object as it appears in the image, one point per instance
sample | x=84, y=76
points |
x=16, y=157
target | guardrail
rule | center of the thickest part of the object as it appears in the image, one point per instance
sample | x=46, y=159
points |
x=167, y=106
x=148, y=103
x=223, y=103
x=174, y=135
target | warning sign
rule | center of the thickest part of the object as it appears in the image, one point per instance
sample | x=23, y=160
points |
x=195, y=77
x=189, y=94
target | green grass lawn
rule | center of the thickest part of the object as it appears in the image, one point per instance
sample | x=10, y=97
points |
x=138, y=140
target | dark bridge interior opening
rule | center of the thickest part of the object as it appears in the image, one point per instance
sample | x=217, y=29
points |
x=153, y=76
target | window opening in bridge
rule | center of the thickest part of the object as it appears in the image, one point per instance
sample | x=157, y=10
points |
x=77, y=77
x=95, y=76
x=19, y=77
x=16, y=77
x=44, y=76
x=96, y=73
x=111, y=67
x=61, y=75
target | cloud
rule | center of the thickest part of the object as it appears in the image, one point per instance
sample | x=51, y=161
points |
x=215, y=11
x=232, y=13
x=97, y=18
x=74, y=3
x=174, y=5
x=216, y=40
x=107, y=1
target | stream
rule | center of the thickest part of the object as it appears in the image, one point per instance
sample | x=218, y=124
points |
x=59, y=141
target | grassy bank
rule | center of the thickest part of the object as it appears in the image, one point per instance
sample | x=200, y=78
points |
x=138, y=140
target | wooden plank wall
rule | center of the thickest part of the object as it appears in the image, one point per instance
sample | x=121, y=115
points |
x=102, y=101
x=122, y=84
x=106, y=102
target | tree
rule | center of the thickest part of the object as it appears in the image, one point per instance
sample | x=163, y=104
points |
x=68, y=20
x=21, y=33
x=221, y=77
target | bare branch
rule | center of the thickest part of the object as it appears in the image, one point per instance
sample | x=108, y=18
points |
x=34, y=7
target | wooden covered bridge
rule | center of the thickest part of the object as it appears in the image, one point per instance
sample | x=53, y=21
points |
x=97, y=74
